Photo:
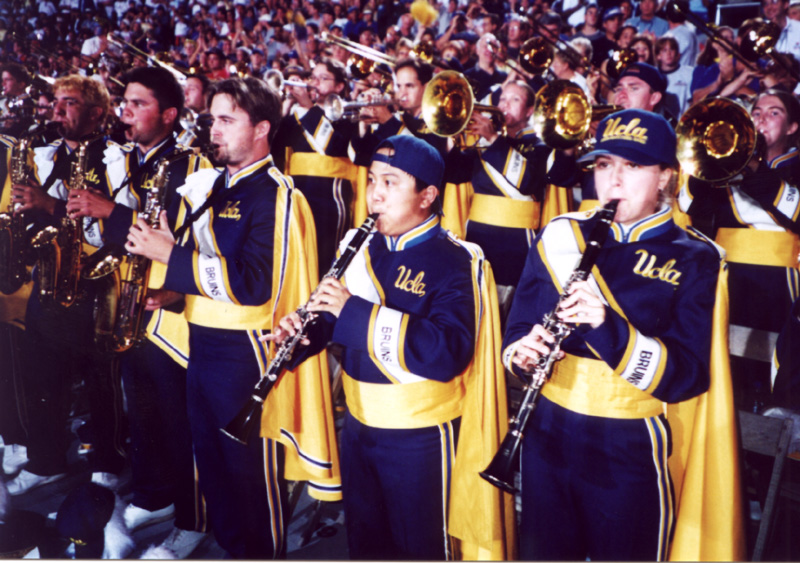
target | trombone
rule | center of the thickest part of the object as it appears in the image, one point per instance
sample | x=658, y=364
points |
x=448, y=103
x=675, y=8
x=716, y=140
x=150, y=60
x=562, y=114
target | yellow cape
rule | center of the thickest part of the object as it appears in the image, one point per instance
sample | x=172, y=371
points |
x=705, y=463
x=481, y=515
x=298, y=411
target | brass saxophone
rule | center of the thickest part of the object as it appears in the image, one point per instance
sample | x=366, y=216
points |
x=60, y=250
x=127, y=329
x=13, y=234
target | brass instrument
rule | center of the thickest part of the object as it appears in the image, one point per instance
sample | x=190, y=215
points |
x=60, y=250
x=13, y=234
x=275, y=80
x=759, y=41
x=562, y=114
x=127, y=311
x=448, y=103
x=713, y=34
x=336, y=108
x=249, y=417
x=716, y=140
x=148, y=59
x=619, y=60
x=500, y=471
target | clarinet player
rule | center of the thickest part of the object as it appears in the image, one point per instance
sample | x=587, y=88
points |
x=595, y=482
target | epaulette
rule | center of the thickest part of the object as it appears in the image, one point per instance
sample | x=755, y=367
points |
x=697, y=235
x=474, y=250
x=8, y=141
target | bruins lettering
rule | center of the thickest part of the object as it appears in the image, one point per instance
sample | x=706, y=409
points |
x=231, y=211
x=405, y=283
x=646, y=267
x=628, y=131
x=385, y=344
x=211, y=277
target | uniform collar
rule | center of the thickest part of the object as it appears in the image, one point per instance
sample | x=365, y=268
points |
x=143, y=158
x=785, y=159
x=647, y=228
x=249, y=170
x=419, y=234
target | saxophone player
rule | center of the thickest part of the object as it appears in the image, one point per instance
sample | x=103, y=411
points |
x=154, y=374
x=246, y=256
x=58, y=339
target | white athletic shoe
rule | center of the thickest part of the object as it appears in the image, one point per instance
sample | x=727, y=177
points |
x=14, y=458
x=182, y=542
x=136, y=517
x=27, y=481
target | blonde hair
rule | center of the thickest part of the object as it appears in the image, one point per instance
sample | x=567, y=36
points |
x=93, y=92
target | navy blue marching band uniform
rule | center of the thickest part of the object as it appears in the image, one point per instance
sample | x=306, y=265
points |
x=598, y=444
x=408, y=332
x=508, y=178
x=314, y=151
x=56, y=337
x=154, y=375
x=227, y=265
x=12, y=323
x=755, y=219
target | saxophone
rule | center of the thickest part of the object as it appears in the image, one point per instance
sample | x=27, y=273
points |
x=60, y=249
x=13, y=244
x=127, y=326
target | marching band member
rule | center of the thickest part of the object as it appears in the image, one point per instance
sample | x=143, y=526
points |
x=154, y=375
x=246, y=250
x=12, y=325
x=756, y=220
x=58, y=339
x=407, y=313
x=595, y=478
x=314, y=151
x=16, y=102
x=509, y=177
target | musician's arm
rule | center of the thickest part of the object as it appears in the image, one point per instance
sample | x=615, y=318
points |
x=672, y=365
x=437, y=345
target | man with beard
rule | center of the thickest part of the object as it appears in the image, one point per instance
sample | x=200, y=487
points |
x=154, y=375
x=244, y=254
x=314, y=150
x=58, y=337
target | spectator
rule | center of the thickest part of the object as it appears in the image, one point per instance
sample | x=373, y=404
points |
x=647, y=21
x=679, y=76
x=683, y=34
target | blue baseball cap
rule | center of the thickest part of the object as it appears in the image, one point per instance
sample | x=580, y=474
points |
x=650, y=74
x=413, y=156
x=640, y=136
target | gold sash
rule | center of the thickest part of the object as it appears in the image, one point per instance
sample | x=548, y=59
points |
x=765, y=248
x=504, y=212
x=404, y=405
x=590, y=387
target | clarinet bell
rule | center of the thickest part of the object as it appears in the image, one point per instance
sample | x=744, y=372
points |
x=242, y=427
x=500, y=471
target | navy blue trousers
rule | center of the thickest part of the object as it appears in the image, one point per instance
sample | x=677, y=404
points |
x=243, y=485
x=162, y=460
x=396, y=487
x=594, y=487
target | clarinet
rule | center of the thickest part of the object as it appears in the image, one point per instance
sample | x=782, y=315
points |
x=244, y=424
x=500, y=471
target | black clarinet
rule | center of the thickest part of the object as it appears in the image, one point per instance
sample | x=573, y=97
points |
x=500, y=471
x=244, y=424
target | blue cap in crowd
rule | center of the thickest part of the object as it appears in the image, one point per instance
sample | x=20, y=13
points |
x=611, y=12
x=414, y=156
x=650, y=74
x=639, y=136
